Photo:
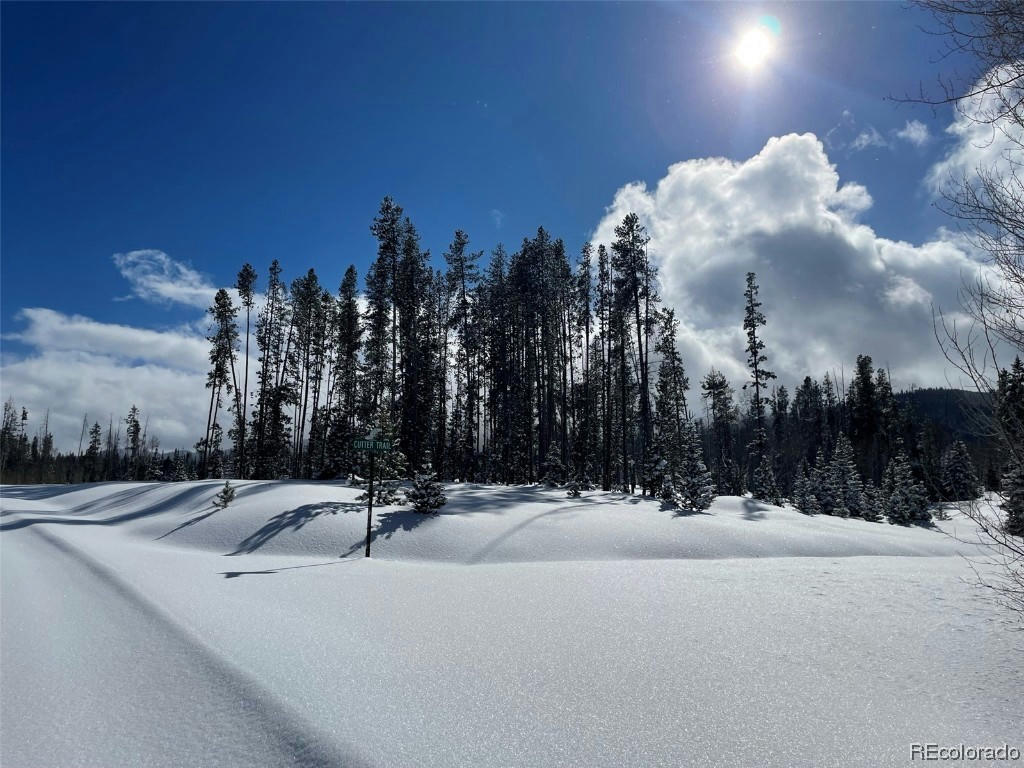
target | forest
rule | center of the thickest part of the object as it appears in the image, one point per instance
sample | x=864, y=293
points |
x=531, y=368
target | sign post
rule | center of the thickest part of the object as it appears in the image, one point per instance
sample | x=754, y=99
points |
x=373, y=446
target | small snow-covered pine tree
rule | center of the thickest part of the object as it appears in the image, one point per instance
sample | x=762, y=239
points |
x=1013, y=506
x=904, y=499
x=845, y=481
x=764, y=487
x=554, y=470
x=225, y=497
x=821, y=484
x=959, y=478
x=180, y=470
x=427, y=495
x=573, y=489
x=696, y=486
x=871, y=506
x=803, y=492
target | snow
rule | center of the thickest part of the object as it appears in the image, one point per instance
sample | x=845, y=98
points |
x=517, y=627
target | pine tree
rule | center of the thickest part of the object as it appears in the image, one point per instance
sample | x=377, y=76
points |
x=844, y=481
x=821, y=484
x=223, y=337
x=903, y=497
x=696, y=486
x=225, y=497
x=803, y=493
x=717, y=393
x=133, y=437
x=636, y=296
x=245, y=285
x=427, y=494
x=872, y=505
x=554, y=470
x=668, y=452
x=1013, y=504
x=763, y=486
x=959, y=479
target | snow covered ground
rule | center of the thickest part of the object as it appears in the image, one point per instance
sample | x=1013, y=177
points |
x=519, y=627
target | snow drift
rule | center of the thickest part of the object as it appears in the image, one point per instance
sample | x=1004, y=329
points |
x=518, y=627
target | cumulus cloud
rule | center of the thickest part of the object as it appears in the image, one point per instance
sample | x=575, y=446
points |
x=915, y=132
x=79, y=366
x=155, y=276
x=832, y=287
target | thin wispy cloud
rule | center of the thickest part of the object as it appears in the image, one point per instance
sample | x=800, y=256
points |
x=155, y=276
x=868, y=137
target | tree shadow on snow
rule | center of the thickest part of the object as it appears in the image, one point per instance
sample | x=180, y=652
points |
x=680, y=511
x=754, y=509
x=291, y=520
x=236, y=574
x=388, y=524
x=492, y=545
x=122, y=499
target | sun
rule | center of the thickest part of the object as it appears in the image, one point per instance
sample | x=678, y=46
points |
x=754, y=48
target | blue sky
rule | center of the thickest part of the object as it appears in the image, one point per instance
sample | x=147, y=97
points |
x=224, y=133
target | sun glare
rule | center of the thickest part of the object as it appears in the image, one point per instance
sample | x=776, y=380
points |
x=754, y=48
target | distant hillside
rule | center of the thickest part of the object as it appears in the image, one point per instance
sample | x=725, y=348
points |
x=955, y=410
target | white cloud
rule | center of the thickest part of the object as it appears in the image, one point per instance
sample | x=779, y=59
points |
x=868, y=137
x=984, y=137
x=155, y=276
x=832, y=288
x=79, y=366
x=498, y=217
x=915, y=132
x=56, y=332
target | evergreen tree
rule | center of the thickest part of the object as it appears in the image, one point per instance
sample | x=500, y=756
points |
x=803, y=493
x=846, y=488
x=133, y=436
x=669, y=450
x=696, y=487
x=872, y=505
x=223, y=337
x=554, y=470
x=93, y=454
x=903, y=497
x=959, y=479
x=636, y=296
x=763, y=486
x=718, y=394
x=1013, y=503
x=225, y=496
x=427, y=494
x=245, y=284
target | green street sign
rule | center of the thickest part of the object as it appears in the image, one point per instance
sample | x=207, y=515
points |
x=373, y=446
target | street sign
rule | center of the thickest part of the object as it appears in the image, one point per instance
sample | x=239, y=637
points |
x=374, y=446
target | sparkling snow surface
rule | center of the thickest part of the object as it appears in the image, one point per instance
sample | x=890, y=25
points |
x=140, y=626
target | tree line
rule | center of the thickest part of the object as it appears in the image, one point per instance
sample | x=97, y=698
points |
x=533, y=367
